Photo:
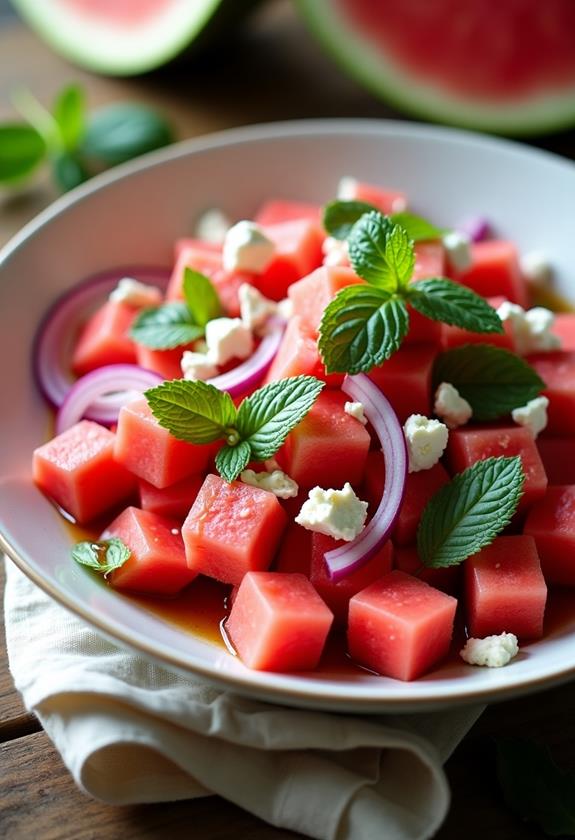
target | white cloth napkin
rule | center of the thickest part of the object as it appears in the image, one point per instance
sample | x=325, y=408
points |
x=132, y=732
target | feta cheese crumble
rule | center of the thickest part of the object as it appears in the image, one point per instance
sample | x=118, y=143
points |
x=450, y=406
x=492, y=651
x=276, y=482
x=531, y=328
x=338, y=513
x=536, y=268
x=247, y=248
x=426, y=440
x=285, y=308
x=457, y=250
x=335, y=251
x=355, y=409
x=346, y=189
x=212, y=226
x=533, y=415
x=228, y=338
x=197, y=366
x=255, y=309
x=134, y=293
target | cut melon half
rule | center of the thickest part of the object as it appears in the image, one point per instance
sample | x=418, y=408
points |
x=126, y=37
x=499, y=65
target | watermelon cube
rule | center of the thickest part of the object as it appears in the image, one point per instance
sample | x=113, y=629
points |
x=278, y=210
x=232, y=529
x=187, y=243
x=209, y=262
x=78, y=470
x=557, y=370
x=564, y=329
x=551, y=523
x=558, y=456
x=298, y=354
x=405, y=379
x=328, y=447
x=174, y=501
x=278, y=622
x=165, y=362
x=373, y=479
x=406, y=559
x=311, y=294
x=385, y=200
x=505, y=591
x=429, y=262
x=294, y=554
x=400, y=626
x=495, y=271
x=105, y=339
x=157, y=563
x=419, y=488
x=298, y=251
x=150, y=452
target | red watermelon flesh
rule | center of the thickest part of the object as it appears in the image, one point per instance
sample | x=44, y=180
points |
x=105, y=339
x=558, y=456
x=419, y=488
x=298, y=354
x=278, y=210
x=406, y=559
x=557, y=370
x=312, y=293
x=126, y=13
x=551, y=522
x=405, y=379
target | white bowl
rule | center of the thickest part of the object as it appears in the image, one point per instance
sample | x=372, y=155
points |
x=132, y=216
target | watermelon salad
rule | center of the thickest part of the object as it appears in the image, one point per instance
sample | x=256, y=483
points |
x=356, y=421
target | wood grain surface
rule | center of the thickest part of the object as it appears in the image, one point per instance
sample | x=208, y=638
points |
x=274, y=71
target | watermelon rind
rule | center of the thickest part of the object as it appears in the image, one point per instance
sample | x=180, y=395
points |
x=538, y=114
x=118, y=51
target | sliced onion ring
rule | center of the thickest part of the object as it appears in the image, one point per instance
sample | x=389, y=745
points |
x=246, y=376
x=120, y=382
x=475, y=227
x=345, y=560
x=55, y=337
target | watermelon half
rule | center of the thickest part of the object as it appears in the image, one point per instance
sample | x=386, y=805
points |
x=126, y=37
x=499, y=65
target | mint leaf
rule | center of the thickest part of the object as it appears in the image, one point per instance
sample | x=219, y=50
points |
x=193, y=410
x=70, y=113
x=267, y=416
x=534, y=787
x=231, y=460
x=201, y=297
x=102, y=556
x=367, y=242
x=416, y=227
x=443, y=300
x=361, y=328
x=122, y=131
x=400, y=256
x=493, y=380
x=468, y=513
x=22, y=149
x=68, y=171
x=165, y=327
x=340, y=216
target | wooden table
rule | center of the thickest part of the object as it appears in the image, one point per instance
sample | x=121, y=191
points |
x=294, y=79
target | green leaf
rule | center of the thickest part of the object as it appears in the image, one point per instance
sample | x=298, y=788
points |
x=193, y=410
x=123, y=131
x=22, y=149
x=534, y=787
x=361, y=328
x=416, y=227
x=201, y=297
x=400, y=256
x=68, y=171
x=102, y=556
x=468, y=513
x=340, y=216
x=231, y=460
x=367, y=242
x=70, y=115
x=267, y=416
x=165, y=327
x=494, y=381
x=443, y=300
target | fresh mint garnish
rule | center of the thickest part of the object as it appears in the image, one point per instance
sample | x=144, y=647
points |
x=534, y=787
x=103, y=556
x=124, y=130
x=442, y=300
x=339, y=217
x=468, y=513
x=198, y=413
x=70, y=116
x=201, y=297
x=22, y=150
x=418, y=228
x=369, y=253
x=493, y=380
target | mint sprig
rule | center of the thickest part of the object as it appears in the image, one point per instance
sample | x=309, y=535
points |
x=201, y=297
x=418, y=228
x=468, y=513
x=103, y=556
x=368, y=250
x=442, y=300
x=340, y=216
x=197, y=412
x=493, y=380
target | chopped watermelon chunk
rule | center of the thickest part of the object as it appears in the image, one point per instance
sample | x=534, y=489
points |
x=405, y=379
x=373, y=479
x=406, y=559
x=564, y=328
x=429, y=262
x=278, y=210
x=385, y=200
x=557, y=370
x=165, y=362
x=558, y=456
x=419, y=488
x=495, y=271
x=551, y=522
x=298, y=251
x=105, y=339
x=294, y=553
x=187, y=244
x=278, y=622
x=312, y=293
x=209, y=262
x=297, y=354
x=174, y=501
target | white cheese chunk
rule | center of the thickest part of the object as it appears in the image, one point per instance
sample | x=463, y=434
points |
x=536, y=268
x=255, y=309
x=197, y=366
x=228, y=338
x=276, y=482
x=457, y=250
x=136, y=294
x=212, y=226
x=335, y=251
x=531, y=329
x=533, y=415
x=355, y=409
x=347, y=188
x=338, y=513
x=492, y=651
x=285, y=308
x=450, y=406
x=247, y=248
x=426, y=440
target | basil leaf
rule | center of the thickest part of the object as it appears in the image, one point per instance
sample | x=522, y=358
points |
x=468, y=513
x=22, y=149
x=165, y=327
x=361, y=328
x=201, y=297
x=267, y=416
x=493, y=380
x=68, y=171
x=70, y=114
x=340, y=216
x=443, y=300
x=231, y=460
x=102, y=556
x=192, y=410
x=416, y=227
x=123, y=131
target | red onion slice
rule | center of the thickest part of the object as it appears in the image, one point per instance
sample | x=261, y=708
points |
x=246, y=376
x=475, y=227
x=121, y=383
x=345, y=560
x=55, y=337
